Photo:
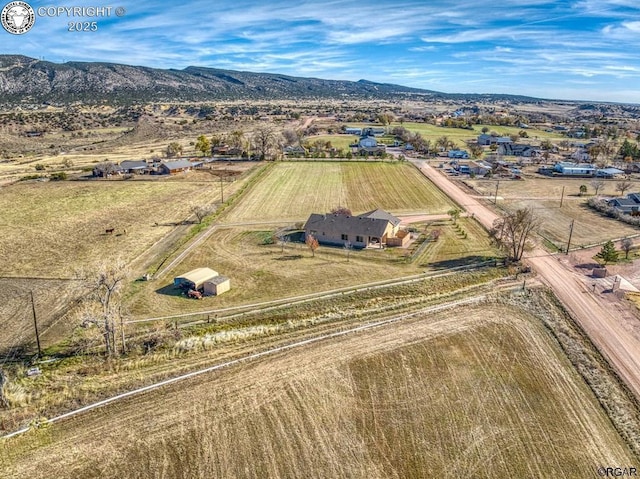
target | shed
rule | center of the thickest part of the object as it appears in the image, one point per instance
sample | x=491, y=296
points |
x=216, y=286
x=194, y=279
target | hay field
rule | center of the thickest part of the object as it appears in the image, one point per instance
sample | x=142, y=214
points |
x=478, y=391
x=49, y=229
x=292, y=191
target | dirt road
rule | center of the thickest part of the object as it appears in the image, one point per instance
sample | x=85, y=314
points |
x=618, y=341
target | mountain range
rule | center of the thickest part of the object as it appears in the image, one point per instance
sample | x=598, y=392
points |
x=31, y=81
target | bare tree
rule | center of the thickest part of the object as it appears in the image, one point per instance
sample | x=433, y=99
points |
x=102, y=306
x=597, y=185
x=626, y=245
x=623, y=186
x=264, y=140
x=348, y=247
x=512, y=231
x=291, y=137
x=283, y=240
x=312, y=243
x=104, y=169
x=201, y=211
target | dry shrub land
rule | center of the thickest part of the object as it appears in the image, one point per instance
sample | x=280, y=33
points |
x=476, y=391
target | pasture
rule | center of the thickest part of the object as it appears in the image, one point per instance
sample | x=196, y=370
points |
x=50, y=229
x=291, y=191
x=543, y=196
x=475, y=391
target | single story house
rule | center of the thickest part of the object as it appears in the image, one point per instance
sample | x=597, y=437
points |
x=486, y=140
x=370, y=145
x=458, y=154
x=294, y=150
x=574, y=169
x=517, y=149
x=479, y=168
x=216, y=286
x=174, y=167
x=629, y=205
x=373, y=131
x=375, y=227
x=609, y=172
x=353, y=131
x=194, y=279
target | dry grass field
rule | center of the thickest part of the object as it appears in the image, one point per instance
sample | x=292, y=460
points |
x=262, y=272
x=477, y=391
x=543, y=195
x=16, y=315
x=49, y=229
x=468, y=240
x=292, y=191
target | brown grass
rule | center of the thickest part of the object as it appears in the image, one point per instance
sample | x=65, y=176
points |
x=50, y=228
x=543, y=196
x=475, y=392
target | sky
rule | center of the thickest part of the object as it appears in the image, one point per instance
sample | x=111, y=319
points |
x=574, y=50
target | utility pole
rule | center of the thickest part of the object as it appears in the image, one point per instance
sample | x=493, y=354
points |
x=562, y=198
x=570, y=233
x=221, y=190
x=495, y=197
x=35, y=323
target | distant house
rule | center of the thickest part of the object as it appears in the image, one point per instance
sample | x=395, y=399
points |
x=608, y=172
x=565, y=168
x=370, y=145
x=458, y=154
x=294, y=150
x=374, y=228
x=373, y=131
x=134, y=166
x=174, y=167
x=194, y=279
x=486, y=140
x=479, y=168
x=353, y=131
x=516, y=149
x=629, y=205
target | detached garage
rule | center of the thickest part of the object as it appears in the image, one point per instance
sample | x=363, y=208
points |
x=216, y=286
x=194, y=279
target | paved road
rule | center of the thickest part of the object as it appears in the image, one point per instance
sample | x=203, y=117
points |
x=618, y=342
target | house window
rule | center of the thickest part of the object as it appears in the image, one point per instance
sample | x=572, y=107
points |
x=359, y=239
x=344, y=237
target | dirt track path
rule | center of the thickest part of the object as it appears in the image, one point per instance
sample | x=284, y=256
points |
x=620, y=345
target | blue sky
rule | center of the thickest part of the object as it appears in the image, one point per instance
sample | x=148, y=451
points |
x=582, y=49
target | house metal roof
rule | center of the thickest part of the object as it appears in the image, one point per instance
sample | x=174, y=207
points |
x=198, y=276
x=133, y=164
x=177, y=165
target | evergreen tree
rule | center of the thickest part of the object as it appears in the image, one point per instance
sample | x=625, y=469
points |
x=608, y=253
